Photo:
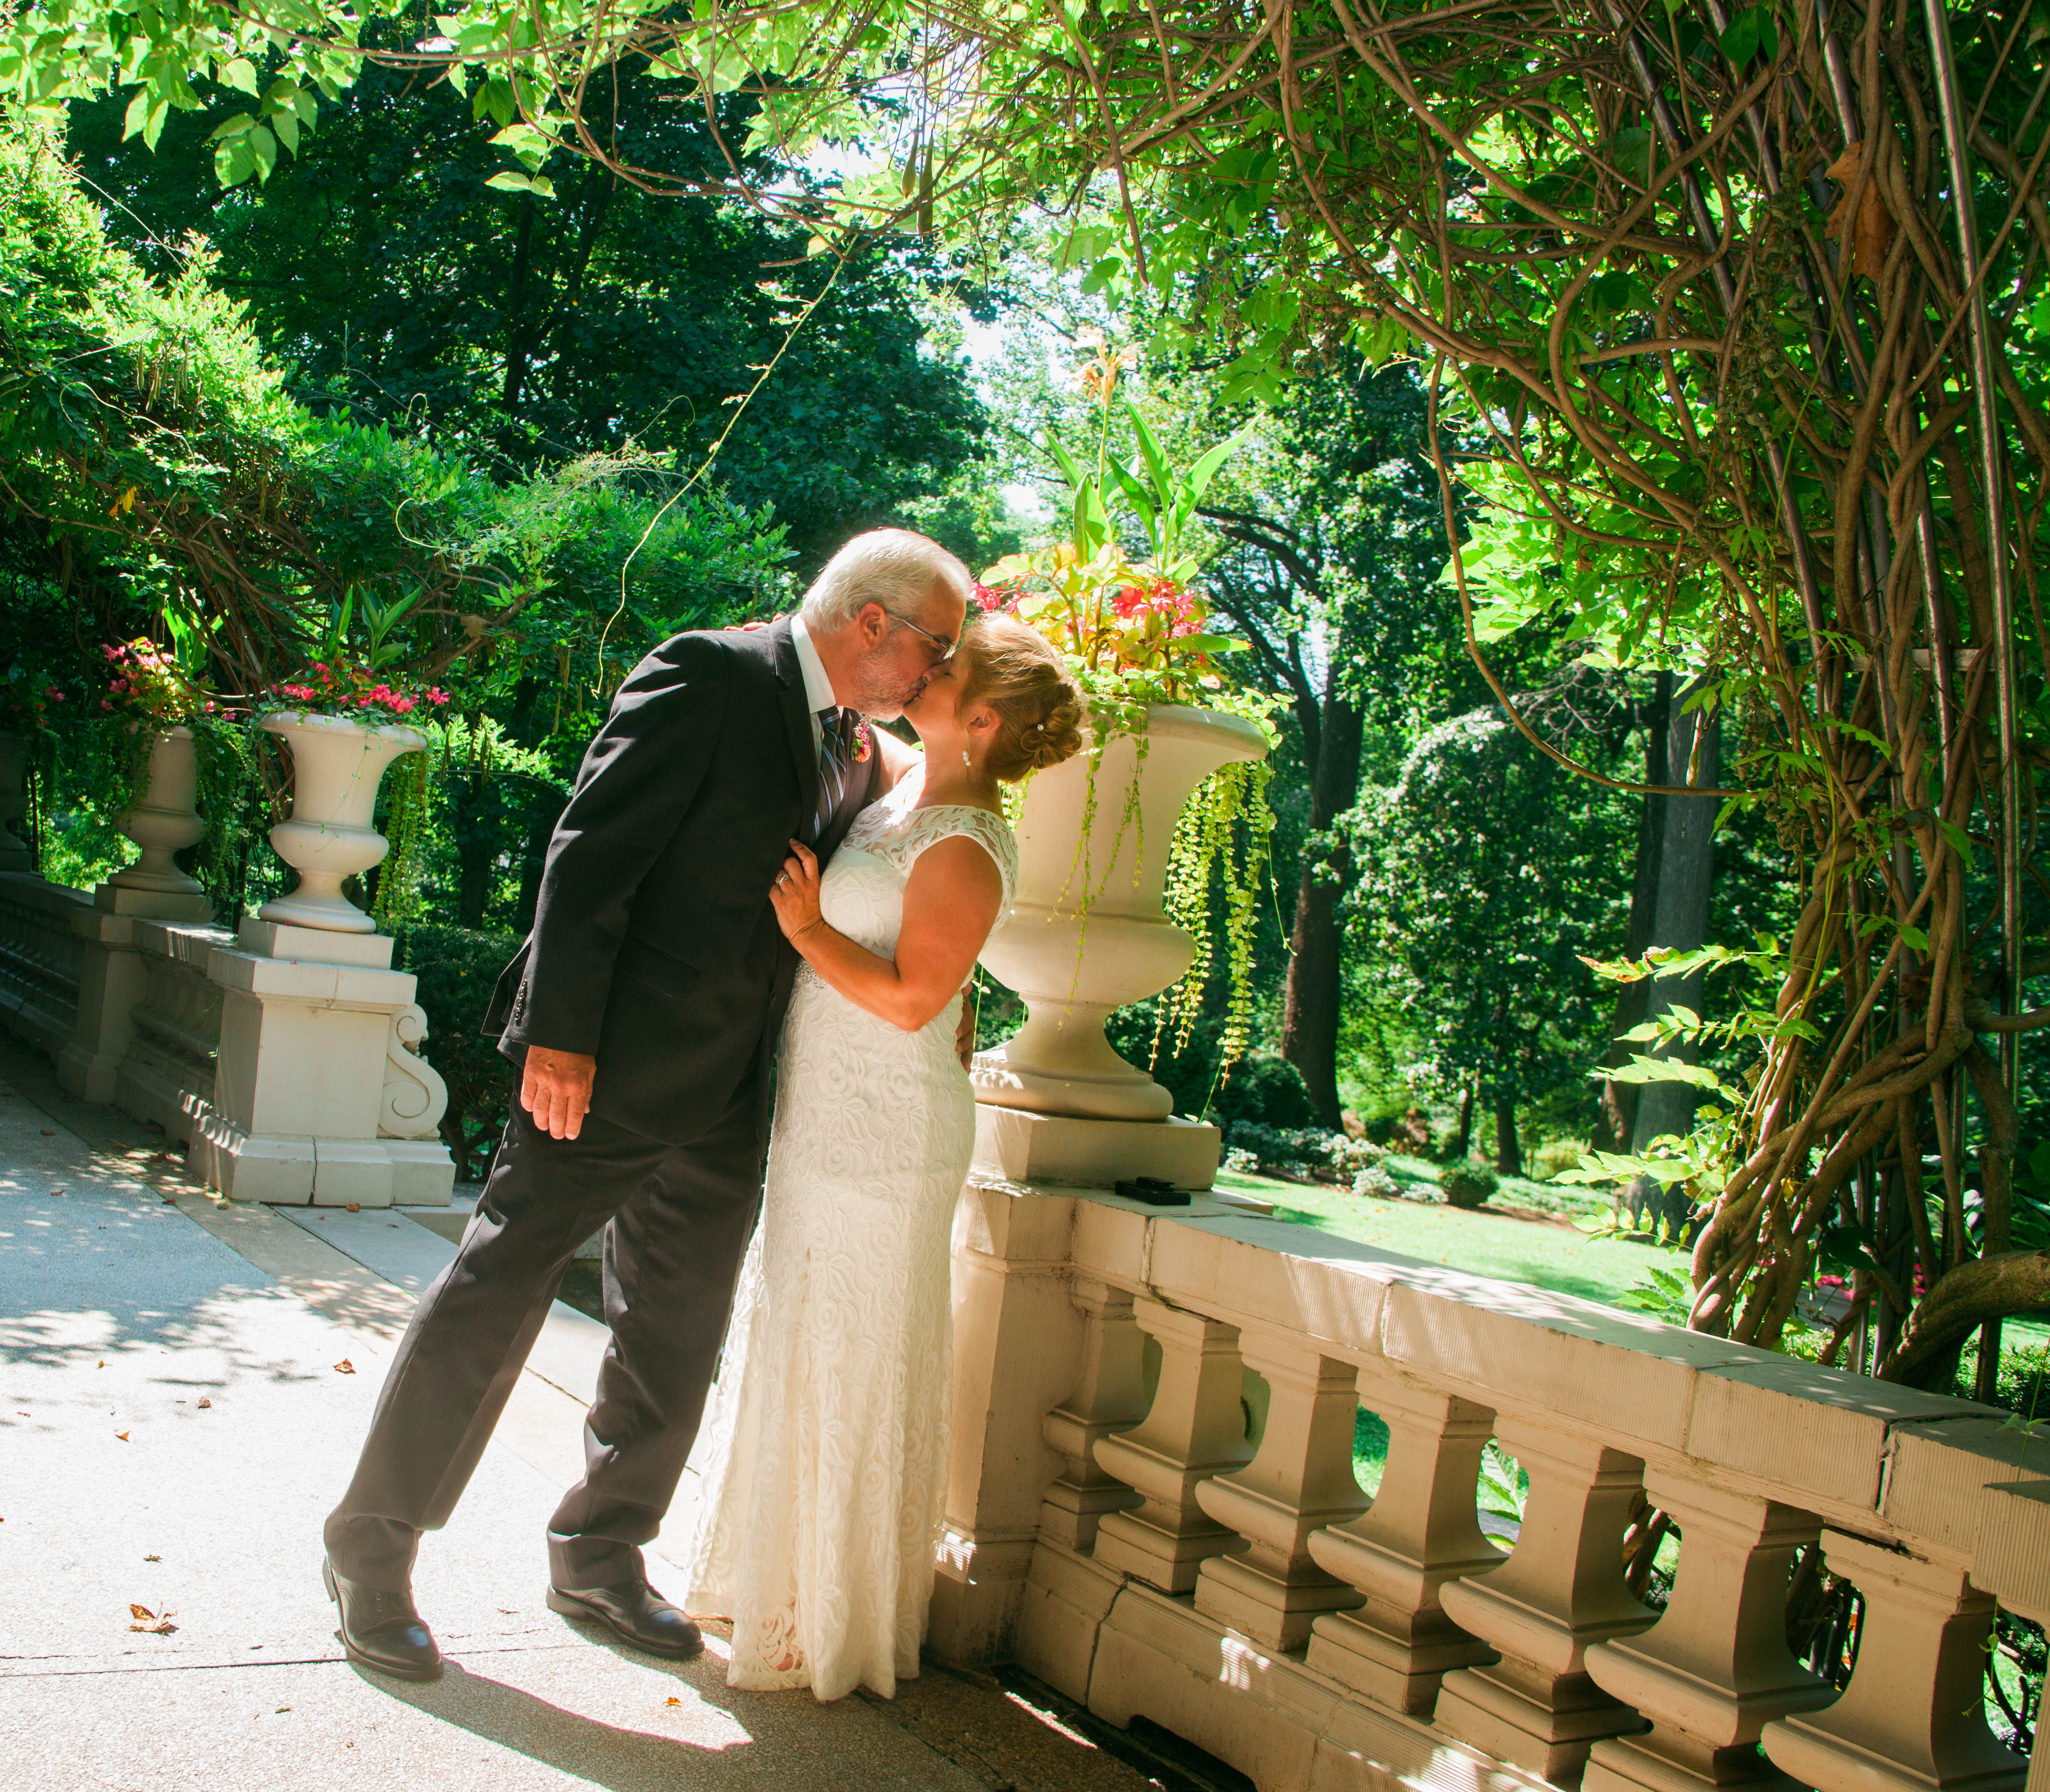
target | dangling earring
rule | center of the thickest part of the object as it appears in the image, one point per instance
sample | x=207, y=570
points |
x=967, y=763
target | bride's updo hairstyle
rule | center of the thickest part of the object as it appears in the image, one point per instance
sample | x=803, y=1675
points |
x=1020, y=676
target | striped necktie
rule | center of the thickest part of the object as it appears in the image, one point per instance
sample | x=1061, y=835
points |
x=836, y=765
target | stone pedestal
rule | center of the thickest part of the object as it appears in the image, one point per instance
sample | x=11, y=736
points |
x=112, y=980
x=1015, y=1145
x=320, y=1096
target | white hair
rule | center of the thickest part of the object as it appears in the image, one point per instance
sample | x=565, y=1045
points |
x=895, y=568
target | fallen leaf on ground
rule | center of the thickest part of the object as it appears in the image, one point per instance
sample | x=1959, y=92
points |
x=204, y=1401
x=152, y=1623
x=344, y=1367
x=153, y=1558
x=122, y=1436
x=281, y=1711
x=356, y=1207
x=672, y=1701
x=49, y=1132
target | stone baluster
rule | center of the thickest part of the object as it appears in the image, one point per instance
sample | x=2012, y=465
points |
x=1561, y=1591
x=1914, y=1715
x=2011, y=1560
x=1195, y=1429
x=1109, y=1396
x=1421, y=1531
x=1300, y=1479
x=1716, y=1668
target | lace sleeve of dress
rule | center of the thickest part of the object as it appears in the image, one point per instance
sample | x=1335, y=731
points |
x=928, y=827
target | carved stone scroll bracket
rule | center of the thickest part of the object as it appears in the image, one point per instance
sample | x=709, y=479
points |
x=414, y=1096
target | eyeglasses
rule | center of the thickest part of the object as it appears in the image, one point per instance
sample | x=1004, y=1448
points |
x=946, y=647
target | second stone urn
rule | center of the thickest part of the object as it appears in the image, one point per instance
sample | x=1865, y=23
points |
x=1075, y=961
x=337, y=764
x=166, y=818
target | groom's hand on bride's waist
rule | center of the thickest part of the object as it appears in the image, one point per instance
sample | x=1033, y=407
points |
x=556, y=1089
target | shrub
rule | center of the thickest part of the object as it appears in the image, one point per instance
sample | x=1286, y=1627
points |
x=1554, y=1155
x=1468, y=1184
x=457, y=968
x=1376, y=1184
x=1263, y=1090
x=1353, y=1158
x=1240, y=1161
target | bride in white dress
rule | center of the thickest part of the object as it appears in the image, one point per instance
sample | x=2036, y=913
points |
x=822, y=1458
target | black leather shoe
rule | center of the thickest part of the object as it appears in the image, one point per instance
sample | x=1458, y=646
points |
x=636, y=1614
x=382, y=1630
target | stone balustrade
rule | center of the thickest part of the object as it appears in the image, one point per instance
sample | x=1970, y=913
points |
x=288, y=1060
x=1153, y=1509
x=41, y=959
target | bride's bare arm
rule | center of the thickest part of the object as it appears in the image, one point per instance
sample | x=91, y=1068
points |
x=950, y=904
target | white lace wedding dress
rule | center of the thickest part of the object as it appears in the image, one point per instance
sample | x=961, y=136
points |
x=821, y=1461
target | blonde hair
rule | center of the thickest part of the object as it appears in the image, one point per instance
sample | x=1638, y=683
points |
x=1020, y=675
x=893, y=567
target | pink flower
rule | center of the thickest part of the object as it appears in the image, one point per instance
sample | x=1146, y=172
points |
x=401, y=705
x=105, y=704
x=1126, y=599
x=986, y=598
x=436, y=695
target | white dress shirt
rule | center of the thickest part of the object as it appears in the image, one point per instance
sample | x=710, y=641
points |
x=818, y=688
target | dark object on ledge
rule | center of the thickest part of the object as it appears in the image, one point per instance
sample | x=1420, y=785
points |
x=1154, y=1192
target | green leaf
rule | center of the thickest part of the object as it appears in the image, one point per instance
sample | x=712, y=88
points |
x=232, y=126
x=507, y=181
x=1915, y=939
x=1136, y=495
x=1069, y=471
x=154, y=128
x=238, y=72
x=1101, y=275
x=1151, y=451
x=263, y=148
x=137, y=114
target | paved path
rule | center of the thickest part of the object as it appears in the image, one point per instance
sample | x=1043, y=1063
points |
x=183, y=1387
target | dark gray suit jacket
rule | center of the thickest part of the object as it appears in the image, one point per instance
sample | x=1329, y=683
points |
x=654, y=947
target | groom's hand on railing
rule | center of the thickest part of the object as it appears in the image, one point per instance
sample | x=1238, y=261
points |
x=556, y=1089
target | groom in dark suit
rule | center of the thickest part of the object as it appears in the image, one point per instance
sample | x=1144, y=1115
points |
x=643, y=1009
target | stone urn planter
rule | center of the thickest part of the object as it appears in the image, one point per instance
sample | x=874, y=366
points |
x=166, y=818
x=1074, y=969
x=337, y=764
x=14, y=855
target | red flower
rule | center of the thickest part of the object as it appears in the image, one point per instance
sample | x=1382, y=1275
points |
x=986, y=598
x=436, y=695
x=1127, y=599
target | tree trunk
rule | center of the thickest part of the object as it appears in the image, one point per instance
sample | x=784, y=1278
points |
x=1464, y=1142
x=1680, y=922
x=1508, y=1150
x=1311, y=1010
x=1618, y=1101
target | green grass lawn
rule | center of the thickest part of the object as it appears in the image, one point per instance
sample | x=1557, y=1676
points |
x=1525, y=1233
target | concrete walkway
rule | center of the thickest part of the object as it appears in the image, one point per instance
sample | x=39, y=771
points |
x=183, y=1388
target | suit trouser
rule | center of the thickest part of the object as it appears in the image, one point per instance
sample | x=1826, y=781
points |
x=676, y=1219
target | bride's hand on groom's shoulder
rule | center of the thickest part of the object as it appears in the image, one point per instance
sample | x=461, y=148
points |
x=794, y=895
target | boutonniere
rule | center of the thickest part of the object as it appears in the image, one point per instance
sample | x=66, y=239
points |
x=861, y=742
